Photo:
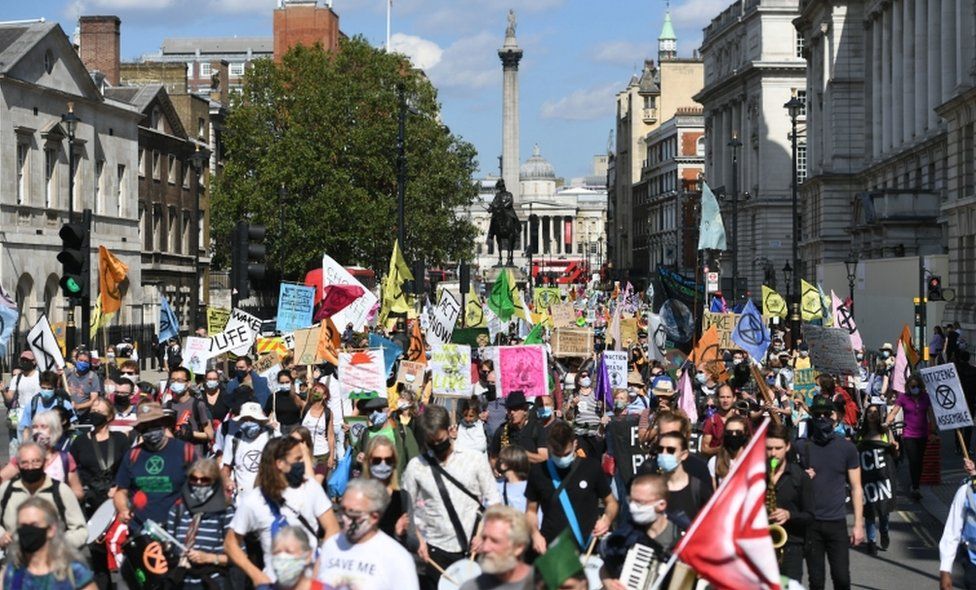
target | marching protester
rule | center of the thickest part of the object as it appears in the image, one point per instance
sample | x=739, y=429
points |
x=714, y=429
x=520, y=429
x=284, y=407
x=877, y=451
x=916, y=410
x=735, y=436
x=317, y=417
x=513, y=465
x=792, y=489
x=217, y=400
x=60, y=465
x=379, y=463
x=471, y=431
x=84, y=384
x=40, y=555
x=292, y=559
x=244, y=375
x=193, y=423
x=124, y=408
x=585, y=412
x=504, y=543
x=48, y=398
x=687, y=495
x=241, y=455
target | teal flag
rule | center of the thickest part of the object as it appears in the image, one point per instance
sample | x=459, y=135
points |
x=711, y=234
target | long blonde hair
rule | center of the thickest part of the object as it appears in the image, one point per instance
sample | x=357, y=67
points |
x=373, y=444
x=60, y=555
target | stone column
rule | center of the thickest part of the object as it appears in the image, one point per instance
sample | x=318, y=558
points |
x=948, y=36
x=897, y=74
x=886, y=86
x=921, y=54
x=876, y=87
x=908, y=70
x=569, y=242
x=933, y=68
x=510, y=54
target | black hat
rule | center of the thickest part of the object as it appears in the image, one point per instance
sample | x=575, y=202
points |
x=515, y=400
x=821, y=405
x=375, y=404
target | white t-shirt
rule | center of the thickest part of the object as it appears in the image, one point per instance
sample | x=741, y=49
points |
x=377, y=564
x=254, y=514
x=26, y=387
x=246, y=459
x=317, y=427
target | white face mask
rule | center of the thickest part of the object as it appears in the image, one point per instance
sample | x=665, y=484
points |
x=642, y=514
x=585, y=382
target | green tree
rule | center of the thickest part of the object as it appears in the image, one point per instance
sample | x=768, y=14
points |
x=324, y=126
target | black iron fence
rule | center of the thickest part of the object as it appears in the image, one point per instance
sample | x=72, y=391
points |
x=143, y=337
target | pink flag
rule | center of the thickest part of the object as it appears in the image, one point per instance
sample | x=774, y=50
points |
x=614, y=330
x=687, y=401
x=335, y=298
x=844, y=318
x=901, y=372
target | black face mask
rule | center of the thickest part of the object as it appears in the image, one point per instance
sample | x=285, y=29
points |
x=31, y=538
x=490, y=393
x=821, y=429
x=121, y=402
x=26, y=366
x=440, y=448
x=97, y=419
x=734, y=441
x=32, y=476
x=296, y=475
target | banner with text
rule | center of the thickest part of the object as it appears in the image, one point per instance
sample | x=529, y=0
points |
x=572, y=342
x=238, y=336
x=295, y=306
x=830, y=350
x=362, y=371
x=725, y=324
x=948, y=402
x=443, y=318
x=616, y=361
x=450, y=366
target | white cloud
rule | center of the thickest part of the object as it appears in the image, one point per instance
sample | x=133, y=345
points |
x=465, y=16
x=583, y=104
x=423, y=54
x=621, y=52
x=697, y=13
x=468, y=64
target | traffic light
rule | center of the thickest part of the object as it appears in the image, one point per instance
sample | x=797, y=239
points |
x=75, y=259
x=464, y=278
x=247, y=258
x=935, y=288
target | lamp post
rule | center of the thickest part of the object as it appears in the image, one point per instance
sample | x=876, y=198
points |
x=850, y=263
x=788, y=275
x=401, y=166
x=793, y=107
x=197, y=158
x=70, y=121
x=735, y=144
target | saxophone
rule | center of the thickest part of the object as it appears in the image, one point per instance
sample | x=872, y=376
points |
x=776, y=532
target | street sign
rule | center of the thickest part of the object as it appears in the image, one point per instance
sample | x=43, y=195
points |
x=711, y=282
x=948, y=402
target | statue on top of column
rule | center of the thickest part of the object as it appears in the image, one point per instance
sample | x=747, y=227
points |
x=510, y=31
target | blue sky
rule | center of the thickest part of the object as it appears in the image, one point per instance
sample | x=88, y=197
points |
x=577, y=54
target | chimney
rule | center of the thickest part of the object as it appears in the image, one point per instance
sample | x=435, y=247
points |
x=99, y=45
x=220, y=82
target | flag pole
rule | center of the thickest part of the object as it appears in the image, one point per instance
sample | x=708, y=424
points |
x=667, y=568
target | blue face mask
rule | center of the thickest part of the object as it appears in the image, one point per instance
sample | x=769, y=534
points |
x=562, y=462
x=47, y=394
x=667, y=462
x=177, y=387
x=212, y=384
x=250, y=429
x=83, y=366
x=544, y=412
x=377, y=418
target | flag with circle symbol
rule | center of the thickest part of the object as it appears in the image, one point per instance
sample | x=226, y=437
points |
x=657, y=337
x=844, y=318
x=773, y=303
x=811, y=304
x=751, y=333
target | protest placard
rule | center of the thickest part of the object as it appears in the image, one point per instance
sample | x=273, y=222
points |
x=295, y=306
x=628, y=451
x=628, y=331
x=442, y=319
x=523, y=368
x=805, y=383
x=238, y=336
x=44, y=345
x=391, y=350
x=273, y=344
x=217, y=318
x=563, y=315
x=616, y=361
x=306, y=345
x=411, y=374
x=948, y=402
x=877, y=474
x=830, y=350
x=357, y=312
x=362, y=371
x=450, y=366
x=196, y=353
x=724, y=323
x=572, y=342
x=266, y=361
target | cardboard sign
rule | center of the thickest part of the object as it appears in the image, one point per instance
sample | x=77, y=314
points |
x=616, y=361
x=266, y=361
x=411, y=374
x=830, y=350
x=356, y=312
x=572, y=342
x=295, y=306
x=628, y=331
x=805, y=383
x=362, y=371
x=450, y=366
x=217, y=318
x=563, y=315
x=948, y=402
x=196, y=353
x=523, y=368
x=306, y=345
x=724, y=323
x=442, y=319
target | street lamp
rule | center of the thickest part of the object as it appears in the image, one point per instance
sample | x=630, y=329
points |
x=851, y=264
x=793, y=107
x=735, y=144
x=788, y=274
x=70, y=121
x=401, y=162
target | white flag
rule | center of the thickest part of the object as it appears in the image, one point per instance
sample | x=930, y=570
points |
x=47, y=353
x=657, y=337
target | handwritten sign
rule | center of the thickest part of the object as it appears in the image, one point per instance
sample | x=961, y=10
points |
x=362, y=371
x=238, y=336
x=450, y=366
x=266, y=361
x=442, y=319
x=805, y=382
x=572, y=342
x=725, y=324
x=306, y=345
x=616, y=361
x=628, y=331
x=196, y=353
x=217, y=318
x=295, y=306
x=830, y=350
x=411, y=374
x=563, y=315
x=948, y=402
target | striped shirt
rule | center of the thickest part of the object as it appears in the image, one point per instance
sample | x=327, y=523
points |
x=586, y=422
x=210, y=535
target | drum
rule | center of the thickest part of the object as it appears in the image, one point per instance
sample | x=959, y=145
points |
x=591, y=566
x=459, y=572
x=100, y=522
x=147, y=561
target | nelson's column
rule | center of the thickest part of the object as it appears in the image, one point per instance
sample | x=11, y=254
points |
x=510, y=54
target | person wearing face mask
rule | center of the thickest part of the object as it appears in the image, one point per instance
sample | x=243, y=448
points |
x=48, y=398
x=245, y=375
x=362, y=556
x=802, y=358
x=568, y=489
x=318, y=419
x=284, y=407
x=878, y=452
x=123, y=408
x=193, y=422
x=470, y=429
x=486, y=390
x=546, y=411
x=686, y=495
x=734, y=438
x=284, y=494
x=33, y=482
x=154, y=471
x=446, y=511
x=513, y=466
x=242, y=454
x=887, y=355
x=22, y=389
x=916, y=409
x=46, y=430
x=832, y=461
x=42, y=556
x=713, y=429
x=794, y=498
x=84, y=384
x=203, y=506
x=584, y=411
x=292, y=559
x=648, y=525
x=504, y=543
x=520, y=429
x=380, y=464
x=217, y=400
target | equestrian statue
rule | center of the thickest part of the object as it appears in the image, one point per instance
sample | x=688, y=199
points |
x=505, y=226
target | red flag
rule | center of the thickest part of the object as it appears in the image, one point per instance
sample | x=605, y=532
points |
x=335, y=298
x=728, y=544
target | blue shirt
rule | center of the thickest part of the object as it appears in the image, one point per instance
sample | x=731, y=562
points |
x=81, y=576
x=157, y=474
x=27, y=414
x=258, y=383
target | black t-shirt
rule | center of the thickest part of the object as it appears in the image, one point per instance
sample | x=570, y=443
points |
x=830, y=462
x=394, y=510
x=586, y=488
x=90, y=455
x=221, y=406
x=686, y=503
x=530, y=437
x=284, y=408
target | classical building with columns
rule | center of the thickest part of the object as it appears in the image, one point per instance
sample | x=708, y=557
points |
x=752, y=60
x=890, y=134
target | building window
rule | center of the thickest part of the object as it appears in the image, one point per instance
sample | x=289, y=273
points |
x=172, y=230
x=144, y=231
x=201, y=239
x=157, y=227
x=23, y=156
x=800, y=43
x=156, y=119
x=801, y=162
x=189, y=69
x=142, y=163
x=802, y=95
x=185, y=166
x=185, y=234
x=119, y=193
x=201, y=127
x=204, y=70
x=156, y=165
x=237, y=69
x=172, y=169
x=99, y=168
x=968, y=175
x=700, y=147
x=50, y=164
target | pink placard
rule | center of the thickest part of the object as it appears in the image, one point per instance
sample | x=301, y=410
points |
x=523, y=368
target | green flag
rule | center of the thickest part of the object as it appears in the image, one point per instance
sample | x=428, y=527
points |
x=560, y=561
x=535, y=336
x=500, y=300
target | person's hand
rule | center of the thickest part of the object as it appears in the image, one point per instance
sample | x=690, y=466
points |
x=811, y=472
x=111, y=492
x=199, y=557
x=332, y=461
x=476, y=544
x=5, y=540
x=779, y=516
x=359, y=457
x=945, y=581
x=125, y=515
x=538, y=543
x=401, y=525
x=229, y=487
x=453, y=431
x=345, y=427
x=969, y=466
x=857, y=535
x=422, y=550
x=604, y=420
x=262, y=579
x=602, y=526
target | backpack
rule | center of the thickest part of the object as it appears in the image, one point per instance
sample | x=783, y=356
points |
x=54, y=490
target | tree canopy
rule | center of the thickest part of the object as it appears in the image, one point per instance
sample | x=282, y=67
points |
x=311, y=153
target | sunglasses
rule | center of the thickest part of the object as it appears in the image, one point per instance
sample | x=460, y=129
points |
x=378, y=460
x=206, y=481
x=663, y=449
x=128, y=373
